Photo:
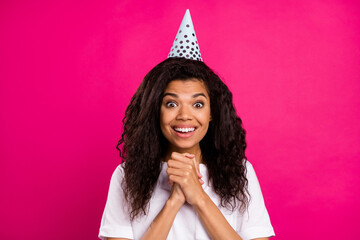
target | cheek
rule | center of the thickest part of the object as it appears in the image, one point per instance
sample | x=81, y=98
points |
x=165, y=119
x=206, y=117
x=162, y=121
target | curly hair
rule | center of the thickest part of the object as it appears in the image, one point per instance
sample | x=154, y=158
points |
x=144, y=146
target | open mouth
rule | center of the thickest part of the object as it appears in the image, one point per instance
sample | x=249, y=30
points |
x=184, y=130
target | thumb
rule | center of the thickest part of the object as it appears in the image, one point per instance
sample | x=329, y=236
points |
x=196, y=165
x=197, y=168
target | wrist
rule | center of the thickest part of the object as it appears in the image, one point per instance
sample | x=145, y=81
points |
x=201, y=201
x=174, y=203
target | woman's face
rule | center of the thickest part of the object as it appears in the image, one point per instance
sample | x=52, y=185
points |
x=185, y=114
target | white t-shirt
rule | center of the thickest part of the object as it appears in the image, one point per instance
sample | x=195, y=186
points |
x=115, y=222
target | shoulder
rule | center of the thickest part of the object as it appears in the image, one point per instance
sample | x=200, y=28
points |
x=118, y=175
x=248, y=164
x=253, y=182
x=255, y=221
x=119, y=170
x=249, y=169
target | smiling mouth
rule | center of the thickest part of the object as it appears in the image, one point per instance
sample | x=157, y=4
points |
x=184, y=130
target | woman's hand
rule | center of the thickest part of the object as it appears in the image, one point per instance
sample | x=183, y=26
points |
x=185, y=177
x=176, y=195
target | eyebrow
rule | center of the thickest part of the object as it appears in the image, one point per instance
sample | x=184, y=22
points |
x=177, y=96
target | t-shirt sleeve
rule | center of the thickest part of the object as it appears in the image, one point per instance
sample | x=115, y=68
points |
x=115, y=221
x=256, y=220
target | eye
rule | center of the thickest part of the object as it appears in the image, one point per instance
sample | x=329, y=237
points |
x=171, y=104
x=198, y=105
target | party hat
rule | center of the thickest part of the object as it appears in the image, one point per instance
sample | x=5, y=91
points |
x=185, y=44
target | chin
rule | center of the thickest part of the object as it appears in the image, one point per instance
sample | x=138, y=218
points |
x=184, y=146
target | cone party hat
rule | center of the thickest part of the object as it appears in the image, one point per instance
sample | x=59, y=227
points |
x=185, y=44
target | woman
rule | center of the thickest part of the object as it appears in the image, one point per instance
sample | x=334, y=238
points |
x=185, y=174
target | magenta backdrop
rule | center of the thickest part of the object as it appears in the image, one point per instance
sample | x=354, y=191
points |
x=69, y=69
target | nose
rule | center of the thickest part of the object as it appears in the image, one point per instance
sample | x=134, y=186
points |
x=184, y=113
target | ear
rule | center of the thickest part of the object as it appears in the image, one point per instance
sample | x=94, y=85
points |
x=210, y=119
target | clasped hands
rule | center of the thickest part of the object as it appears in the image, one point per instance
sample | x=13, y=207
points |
x=185, y=178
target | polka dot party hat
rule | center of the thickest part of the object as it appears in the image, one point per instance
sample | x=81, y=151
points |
x=185, y=44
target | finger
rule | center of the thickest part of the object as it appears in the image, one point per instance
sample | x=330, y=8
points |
x=170, y=182
x=177, y=172
x=192, y=156
x=182, y=163
x=180, y=157
x=176, y=164
x=176, y=179
x=176, y=187
x=201, y=181
x=197, y=168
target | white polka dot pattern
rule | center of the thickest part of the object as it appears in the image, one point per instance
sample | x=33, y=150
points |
x=185, y=44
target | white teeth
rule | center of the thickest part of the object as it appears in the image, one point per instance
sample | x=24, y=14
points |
x=184, y=130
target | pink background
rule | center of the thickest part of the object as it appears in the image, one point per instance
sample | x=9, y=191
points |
x=68, y=70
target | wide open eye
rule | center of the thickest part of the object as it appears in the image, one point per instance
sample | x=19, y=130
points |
x=171, y=104
x=198, y=105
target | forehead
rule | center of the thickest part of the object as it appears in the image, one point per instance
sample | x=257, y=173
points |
x=188, y=86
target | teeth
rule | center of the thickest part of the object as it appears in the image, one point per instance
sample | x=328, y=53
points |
x=184, y=130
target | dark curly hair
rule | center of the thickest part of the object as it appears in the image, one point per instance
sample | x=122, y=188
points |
x=144, y=146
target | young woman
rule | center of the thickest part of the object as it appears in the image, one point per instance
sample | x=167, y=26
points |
x=185, y=174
